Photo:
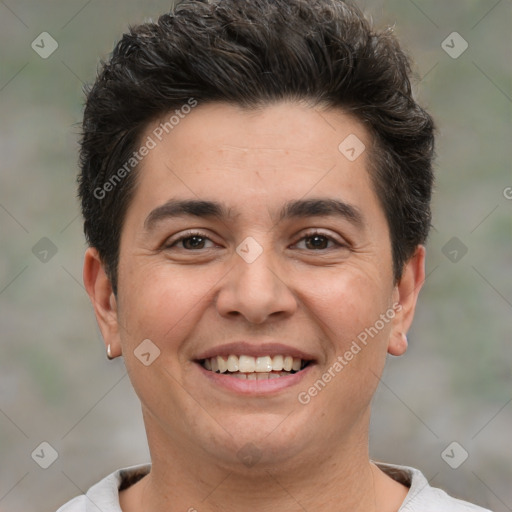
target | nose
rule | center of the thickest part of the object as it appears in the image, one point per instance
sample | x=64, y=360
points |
x=256, y=289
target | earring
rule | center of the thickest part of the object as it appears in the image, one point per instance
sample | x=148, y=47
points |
x=109, y=353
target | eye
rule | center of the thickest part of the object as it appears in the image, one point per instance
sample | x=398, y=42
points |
x=317, y=241
x=194, y=240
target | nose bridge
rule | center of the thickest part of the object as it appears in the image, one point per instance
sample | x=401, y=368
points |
x=254, y=287
x=254, y=265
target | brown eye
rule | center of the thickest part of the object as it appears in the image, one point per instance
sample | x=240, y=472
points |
x=190, y=242
x=193, y=242
x=317, y=242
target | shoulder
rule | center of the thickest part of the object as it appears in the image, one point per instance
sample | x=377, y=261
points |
x=104, y=495
x=422, y=497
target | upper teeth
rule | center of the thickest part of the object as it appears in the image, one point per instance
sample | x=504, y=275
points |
x=249, y=364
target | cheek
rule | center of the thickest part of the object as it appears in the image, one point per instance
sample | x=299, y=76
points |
x=348, y=302
x=162, y=303
x=350, y=316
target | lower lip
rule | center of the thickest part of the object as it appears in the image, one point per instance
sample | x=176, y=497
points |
x=254, y=387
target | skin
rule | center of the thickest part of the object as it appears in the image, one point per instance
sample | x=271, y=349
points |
x=187, y=300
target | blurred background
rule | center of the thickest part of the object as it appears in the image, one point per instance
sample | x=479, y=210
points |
x=445, y=407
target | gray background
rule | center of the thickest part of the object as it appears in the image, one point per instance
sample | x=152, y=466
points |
x=454, y=384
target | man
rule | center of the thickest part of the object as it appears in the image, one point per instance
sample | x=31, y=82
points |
x=256, y=181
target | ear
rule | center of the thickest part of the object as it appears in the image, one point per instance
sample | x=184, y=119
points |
x=99, y=289
x=405, y=296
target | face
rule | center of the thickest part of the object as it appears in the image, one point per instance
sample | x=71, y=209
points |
x=253, y=243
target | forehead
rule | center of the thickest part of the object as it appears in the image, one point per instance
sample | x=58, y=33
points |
x=232, y=130
x=261, y=156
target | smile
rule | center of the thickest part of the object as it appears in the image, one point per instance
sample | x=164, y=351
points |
x=254, y=368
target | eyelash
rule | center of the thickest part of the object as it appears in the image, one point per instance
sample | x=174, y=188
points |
x=309, y=234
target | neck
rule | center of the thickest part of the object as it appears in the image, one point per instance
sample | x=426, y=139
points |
x=339, y=479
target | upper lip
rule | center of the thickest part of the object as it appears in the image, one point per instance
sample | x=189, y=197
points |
x=245, y=348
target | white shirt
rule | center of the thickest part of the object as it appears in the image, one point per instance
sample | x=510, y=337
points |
x=104, y=496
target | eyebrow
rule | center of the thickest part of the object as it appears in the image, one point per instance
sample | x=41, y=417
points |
x=301, y=208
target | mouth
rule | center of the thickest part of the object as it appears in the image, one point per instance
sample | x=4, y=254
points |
x=246, y=367
x=258, y=370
